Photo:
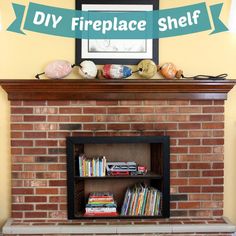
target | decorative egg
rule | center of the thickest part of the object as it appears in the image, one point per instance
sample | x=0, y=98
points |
x=88, y=70
x=111, y=71
x=169, y=70
x=147, y=68
x=58, y=69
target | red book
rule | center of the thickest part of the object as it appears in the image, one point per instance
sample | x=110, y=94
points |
x=101, y=214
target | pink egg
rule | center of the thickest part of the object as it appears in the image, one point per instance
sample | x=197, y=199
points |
x=58, y=69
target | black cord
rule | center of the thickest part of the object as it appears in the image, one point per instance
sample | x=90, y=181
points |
x=38, y=75
x=207, y=77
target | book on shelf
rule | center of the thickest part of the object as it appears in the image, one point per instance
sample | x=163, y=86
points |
x=142, y=200
x=104, y=214
x=101, y=195
x=92, y=167
x=101, y=204
x=100, y=209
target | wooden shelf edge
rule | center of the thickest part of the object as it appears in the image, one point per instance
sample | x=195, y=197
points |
x=80, y=217
x=117, y=89
x=148, y=176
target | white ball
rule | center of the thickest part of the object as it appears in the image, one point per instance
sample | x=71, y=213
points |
x=88, y=70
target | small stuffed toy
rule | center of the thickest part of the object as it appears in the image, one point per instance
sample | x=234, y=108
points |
x=169, y=71
x=87, y=70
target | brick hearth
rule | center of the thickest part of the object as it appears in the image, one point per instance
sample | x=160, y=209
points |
x=39, y=128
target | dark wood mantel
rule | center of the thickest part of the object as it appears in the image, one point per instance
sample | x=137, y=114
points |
x=68, y=89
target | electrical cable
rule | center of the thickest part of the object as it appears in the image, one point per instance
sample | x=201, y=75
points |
x=207, y=77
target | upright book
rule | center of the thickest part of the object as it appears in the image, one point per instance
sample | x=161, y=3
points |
x=142, y=200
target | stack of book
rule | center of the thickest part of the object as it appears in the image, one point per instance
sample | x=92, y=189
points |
x=101, y=204
x=142, y=200
x=92, y=166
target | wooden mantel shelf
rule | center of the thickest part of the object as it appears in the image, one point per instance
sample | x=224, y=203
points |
x=68, y=89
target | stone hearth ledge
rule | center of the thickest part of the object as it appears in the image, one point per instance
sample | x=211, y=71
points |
x=71, y=228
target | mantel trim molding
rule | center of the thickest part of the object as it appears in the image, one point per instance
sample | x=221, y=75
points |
x=72, y=89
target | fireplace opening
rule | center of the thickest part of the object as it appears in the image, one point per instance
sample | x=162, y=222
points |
x=118, y=177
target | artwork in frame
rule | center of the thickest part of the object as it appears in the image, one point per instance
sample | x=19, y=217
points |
x=116, y=51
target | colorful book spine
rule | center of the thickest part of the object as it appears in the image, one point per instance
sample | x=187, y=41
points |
x=142, y=200
x=101, y=214
x=80, y=165
x=92, y=167
x=100, y=209
x=123, y=209
x=101, y=204
x=104, y=165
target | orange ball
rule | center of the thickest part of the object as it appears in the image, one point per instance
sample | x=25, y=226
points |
x=169, y=70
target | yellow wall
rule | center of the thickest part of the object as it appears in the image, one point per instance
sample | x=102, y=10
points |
x=24, y=56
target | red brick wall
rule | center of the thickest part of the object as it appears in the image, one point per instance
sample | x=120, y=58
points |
x=38, y=131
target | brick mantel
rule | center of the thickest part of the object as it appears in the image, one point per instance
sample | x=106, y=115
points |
x=68, y=89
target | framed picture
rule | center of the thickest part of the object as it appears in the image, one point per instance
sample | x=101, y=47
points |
x=116, y=51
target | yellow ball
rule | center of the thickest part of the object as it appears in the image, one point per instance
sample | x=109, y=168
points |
x=147, y=68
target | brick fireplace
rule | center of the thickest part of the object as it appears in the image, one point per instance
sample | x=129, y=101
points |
x=192, y=114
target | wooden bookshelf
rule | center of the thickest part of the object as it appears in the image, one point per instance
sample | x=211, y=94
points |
x=151, y=151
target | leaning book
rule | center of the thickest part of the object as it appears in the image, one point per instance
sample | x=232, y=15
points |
x=142, y=200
